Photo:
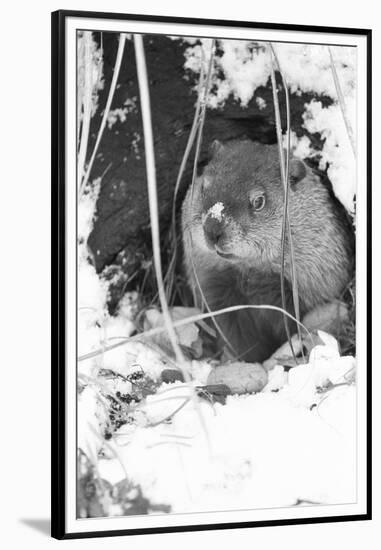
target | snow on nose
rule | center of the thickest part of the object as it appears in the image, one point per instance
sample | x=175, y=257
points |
x=216, y=210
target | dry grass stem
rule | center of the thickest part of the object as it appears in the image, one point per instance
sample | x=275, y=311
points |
x=284, y=168
x=196, y=120
x=342, y=103
x=152, y=195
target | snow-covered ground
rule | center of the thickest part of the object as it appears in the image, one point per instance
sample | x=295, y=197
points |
x=256, y=451
x=293, y=443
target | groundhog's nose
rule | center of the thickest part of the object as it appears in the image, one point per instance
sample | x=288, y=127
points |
x=213, y=230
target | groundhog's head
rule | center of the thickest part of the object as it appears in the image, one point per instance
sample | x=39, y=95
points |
x=241, y=197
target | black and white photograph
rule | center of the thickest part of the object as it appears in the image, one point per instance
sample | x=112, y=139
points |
x=213, y=196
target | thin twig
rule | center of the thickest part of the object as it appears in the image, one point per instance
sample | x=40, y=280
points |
x=286, y=226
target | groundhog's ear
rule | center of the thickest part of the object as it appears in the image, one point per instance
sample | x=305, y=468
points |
x=215, y=147
x=297, y=171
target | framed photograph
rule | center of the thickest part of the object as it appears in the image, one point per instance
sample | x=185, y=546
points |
x=211, y=187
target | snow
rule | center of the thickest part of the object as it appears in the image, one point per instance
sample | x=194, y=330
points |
x=89, y=419
x=95, y=325
x=262, y=450
x=337, y=154
x=246, y=66
x=86, y=210
x=97, y=70
x=307, y=68
x=300, y=147
x=120, y=113
x=244, y=69
x=216, y=210
x=261, y=103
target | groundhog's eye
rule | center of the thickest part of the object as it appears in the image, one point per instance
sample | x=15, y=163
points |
x=258, y=202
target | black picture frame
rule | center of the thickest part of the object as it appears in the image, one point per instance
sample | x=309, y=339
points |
x=58, y=319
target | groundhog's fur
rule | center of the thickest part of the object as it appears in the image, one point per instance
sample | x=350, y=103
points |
x=222, y=217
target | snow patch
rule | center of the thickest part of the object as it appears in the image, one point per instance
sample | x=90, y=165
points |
x=216, y=210
x=261, y=103
x=87, y=209
x=121, y=113
x=337, y=155
x=300, y=146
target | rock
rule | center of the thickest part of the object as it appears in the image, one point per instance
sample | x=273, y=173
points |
x=239, y=377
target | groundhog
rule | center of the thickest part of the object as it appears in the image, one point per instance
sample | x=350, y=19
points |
x=232, y=227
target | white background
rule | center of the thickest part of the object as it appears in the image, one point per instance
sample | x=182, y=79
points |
x=25, y=274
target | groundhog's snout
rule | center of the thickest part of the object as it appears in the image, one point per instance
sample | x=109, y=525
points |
x=214, y=230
